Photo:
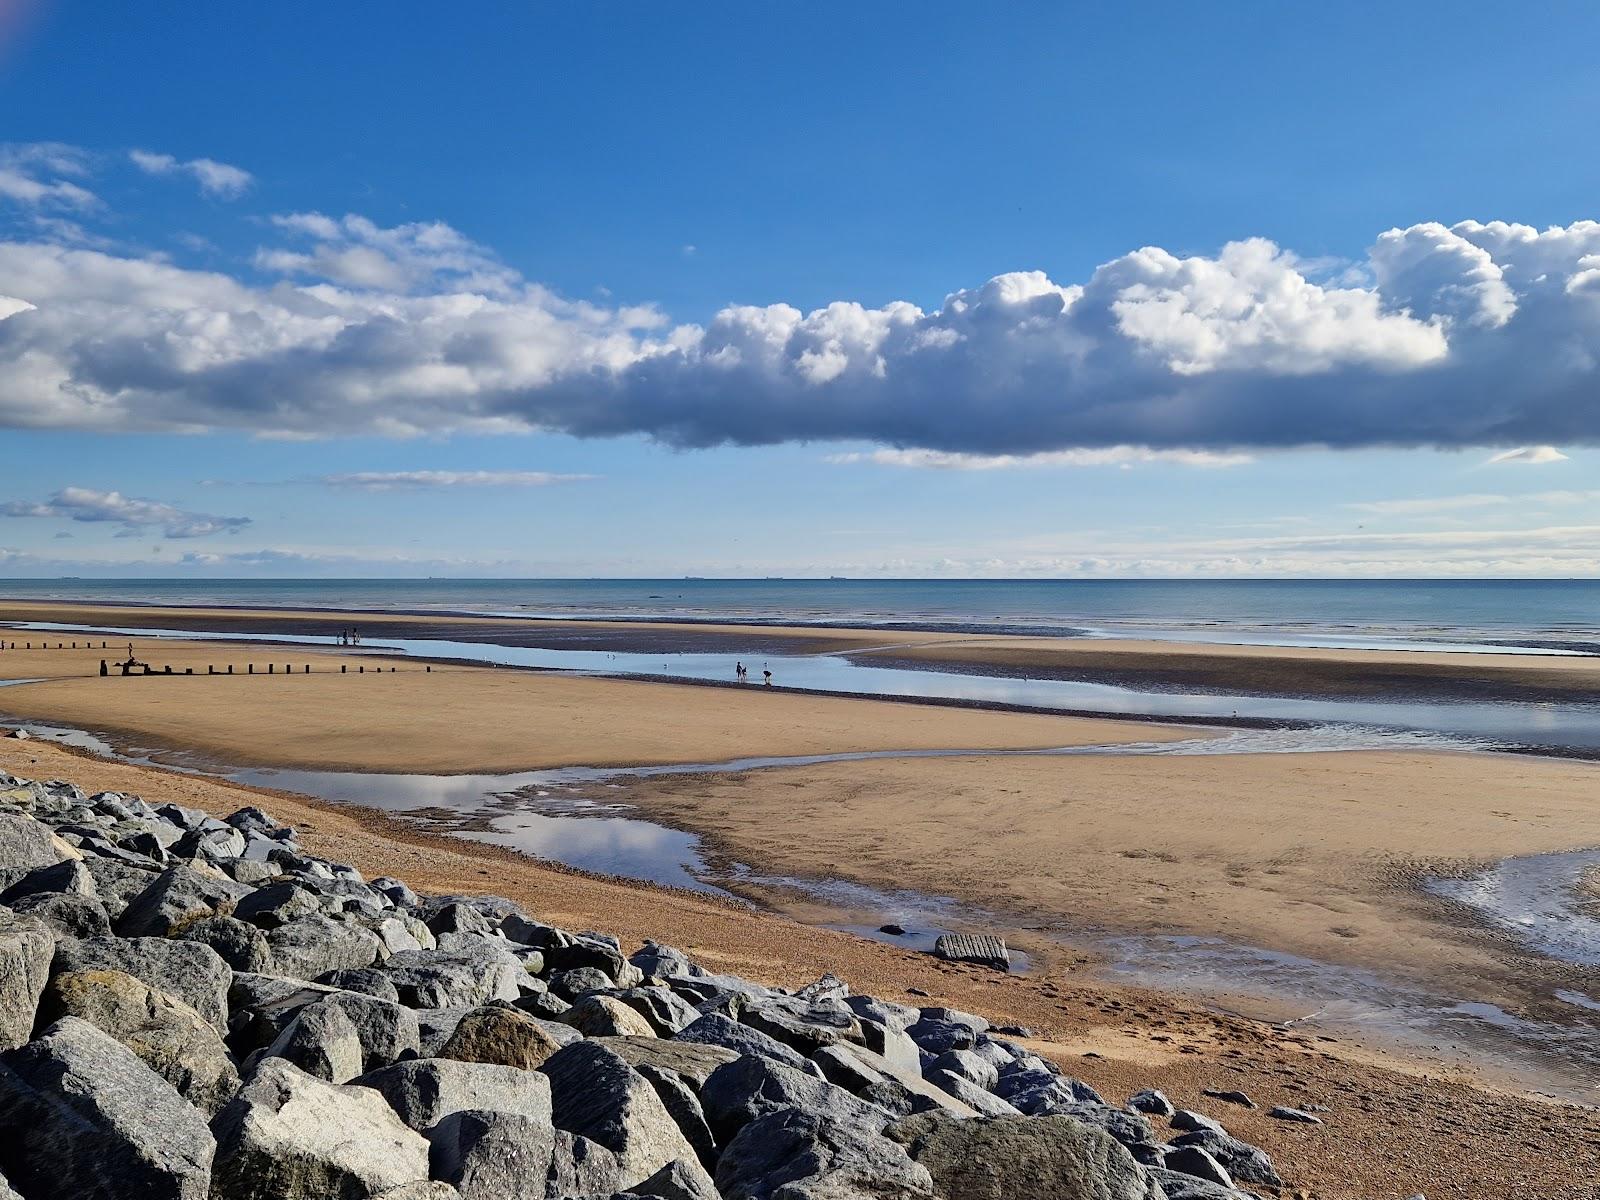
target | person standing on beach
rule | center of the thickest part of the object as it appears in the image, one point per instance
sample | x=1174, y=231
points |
x=738, y=671
x=768, y=675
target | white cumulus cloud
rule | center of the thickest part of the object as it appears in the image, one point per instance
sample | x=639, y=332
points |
x=1468, y=335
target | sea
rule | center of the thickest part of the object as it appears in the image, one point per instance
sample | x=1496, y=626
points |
x=1486, y=614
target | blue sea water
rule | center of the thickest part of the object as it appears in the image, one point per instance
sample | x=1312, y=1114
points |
x=1502, y=612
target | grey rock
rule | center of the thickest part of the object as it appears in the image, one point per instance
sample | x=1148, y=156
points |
x=430, y=980
x=1131, y=1129
x=1152, y=1101
x=87, y=1120
x=191, y=972
x=1189, y=1120
x=490, y=1155
x=969, y=1066
x=580, y=981
x=26, y=843
x=581, y=1167
x=1192, y=1160
x=792, y=1154
x=176, y=898
x=683, y=1106
x=544, y=1005
x=678, y=1180
x=714, y=1029
x=690, y=1061
x=598, y=1015
x=999, y=1158
x=166, y=1035
x=1242, y=1160
x=423, y=1091
x=666, y=1011
x=307, y=947
x=495, y=1034
x=289, y=1136
x=322, y=1041
x=371, y=981
x=70, y=877
x=1297, y=1115
x=71, y=916
x=1179, y=1186
x=751, y=1086
x=117, y=883
x=459, y=918
x=597, y=1095
x=425, y=1189
x=983, y=1102
x=243, y=947
x=882, y=1077
x=936, y=1036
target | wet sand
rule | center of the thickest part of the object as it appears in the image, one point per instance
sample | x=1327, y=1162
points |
x=1393, y=1129
x=461, y=719
x=1312, y=854
x=1274, y=670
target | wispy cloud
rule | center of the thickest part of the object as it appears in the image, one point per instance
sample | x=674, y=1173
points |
x=134, y=515
x=383, y=481
x=1474, y=500
x=217, y=179
x=1531, y=456
x=1110, y=456
x=42, y=174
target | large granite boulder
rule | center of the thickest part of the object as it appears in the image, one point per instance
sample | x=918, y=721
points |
x=167, y=1035
x=177, y=898
x=1000, y=1158
x=493, y=1034
x=191, y=972
x=423, y=1091
x=27, y=945
x=289, y=1136
x=491, y=1155
x=597, y=1095
x=792, y=1154
x=87, y=1120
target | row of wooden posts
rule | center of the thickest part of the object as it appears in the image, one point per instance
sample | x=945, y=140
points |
x=249, y=669
x=48, y=646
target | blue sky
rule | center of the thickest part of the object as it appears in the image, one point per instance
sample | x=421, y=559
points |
x=616, y=289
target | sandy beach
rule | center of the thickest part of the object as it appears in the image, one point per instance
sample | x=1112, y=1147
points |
x=457, y=719
x=1309, y=854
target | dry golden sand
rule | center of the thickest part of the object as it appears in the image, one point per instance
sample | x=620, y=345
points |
x=457, y=719
x=1392, y=1130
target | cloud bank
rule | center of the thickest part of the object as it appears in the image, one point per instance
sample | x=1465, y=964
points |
x=135, y=516
x=1461, y=336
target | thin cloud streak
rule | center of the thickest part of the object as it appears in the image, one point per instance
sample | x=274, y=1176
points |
x=92, y=506
x=381, y=481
